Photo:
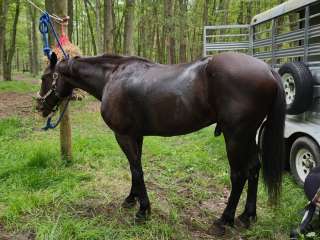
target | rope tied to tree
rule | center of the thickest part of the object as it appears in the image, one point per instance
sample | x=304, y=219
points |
x=56, y=18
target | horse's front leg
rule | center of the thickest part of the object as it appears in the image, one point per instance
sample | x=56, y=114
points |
x=132, y=147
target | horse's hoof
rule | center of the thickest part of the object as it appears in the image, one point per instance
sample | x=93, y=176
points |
x=244, y=221
x=142, y=216
x=217, y=229
x=129, y=204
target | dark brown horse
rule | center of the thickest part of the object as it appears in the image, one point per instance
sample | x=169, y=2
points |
x=141, y=98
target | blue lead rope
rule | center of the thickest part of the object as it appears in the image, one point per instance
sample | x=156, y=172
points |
x=50, y=125
x=43, y=28
x=44, y=24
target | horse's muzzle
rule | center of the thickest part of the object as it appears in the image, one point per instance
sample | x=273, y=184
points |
x=41, y=110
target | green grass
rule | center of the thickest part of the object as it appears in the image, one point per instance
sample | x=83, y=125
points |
x=18, y=86
x=186, y=177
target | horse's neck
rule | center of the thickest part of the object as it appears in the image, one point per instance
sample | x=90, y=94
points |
x=90, y=79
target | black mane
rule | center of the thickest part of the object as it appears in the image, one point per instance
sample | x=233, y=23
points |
x=111, y=59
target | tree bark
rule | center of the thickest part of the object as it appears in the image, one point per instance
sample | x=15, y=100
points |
x=183, y=4
x=9, y=53
x=169, y=30
x=98, y=29
x=108, y=27
x=1, y=33
x=29, y=34
x=65, y=126
x=128, y=47
x=70, y=14
x=205, y=12
x=17, y=60
x=34, y=41
x=3, y=21
x=77, y=22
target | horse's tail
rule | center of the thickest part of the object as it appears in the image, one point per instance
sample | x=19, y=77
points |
x=273, y=144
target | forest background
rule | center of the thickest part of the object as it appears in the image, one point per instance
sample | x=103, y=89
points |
x=165, y=31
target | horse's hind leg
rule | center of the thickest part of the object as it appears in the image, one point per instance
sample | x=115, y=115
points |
x=250, y=213
x=132, y=147
x=237, y=155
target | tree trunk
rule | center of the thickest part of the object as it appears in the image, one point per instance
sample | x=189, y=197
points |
x=159, y=57
x=98, y=29
x=77, y=22
x=3, y=20
x=70, y=24
x=9, y=53
x=128, y=47
x=34, y=40
x=205, y=12
x=90, y=28
x=29, y=34
x=183, y=4
x=1, y=33
x=169, y=30
x=65, y=126
x=249, y=12
x=108, y=27
x=17, y=60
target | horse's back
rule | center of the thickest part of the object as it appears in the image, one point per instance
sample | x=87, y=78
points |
x=159, y=99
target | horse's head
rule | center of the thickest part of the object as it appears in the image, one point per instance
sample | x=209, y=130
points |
x=54, y=87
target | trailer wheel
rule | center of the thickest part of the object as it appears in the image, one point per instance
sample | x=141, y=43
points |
x=298, y=86
x=304, y=155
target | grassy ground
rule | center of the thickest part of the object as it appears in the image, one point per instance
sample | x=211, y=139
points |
x=187, y=178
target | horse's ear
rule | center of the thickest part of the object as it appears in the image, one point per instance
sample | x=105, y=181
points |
x=53, y=60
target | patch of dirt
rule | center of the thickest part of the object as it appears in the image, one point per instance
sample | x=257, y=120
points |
x=4, y=235
x=218, y=204
x=90, y=208
x=26, y=77
x=15, y=104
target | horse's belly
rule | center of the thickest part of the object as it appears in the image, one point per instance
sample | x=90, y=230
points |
x=176, y=120
x=167, y=129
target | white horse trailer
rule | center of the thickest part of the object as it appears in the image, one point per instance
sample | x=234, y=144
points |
x=288, y=38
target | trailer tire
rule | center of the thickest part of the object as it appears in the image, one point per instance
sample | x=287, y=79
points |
x=298, y=85
x=304, y=155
